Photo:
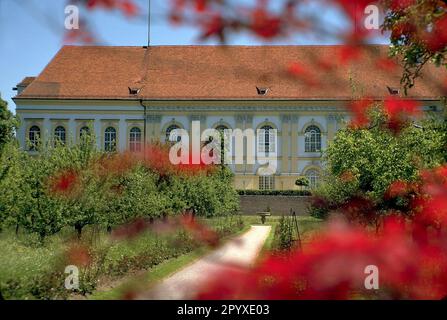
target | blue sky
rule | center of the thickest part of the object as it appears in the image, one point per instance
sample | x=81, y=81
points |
x=31, y=33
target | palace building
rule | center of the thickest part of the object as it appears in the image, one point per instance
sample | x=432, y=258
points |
x=133, y=95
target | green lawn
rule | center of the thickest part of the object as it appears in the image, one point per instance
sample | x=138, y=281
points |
x=27, y=268
x=31, y=270
x=153, y=275
x=162, y=270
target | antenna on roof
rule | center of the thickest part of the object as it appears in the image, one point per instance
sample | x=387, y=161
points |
x=149, y=24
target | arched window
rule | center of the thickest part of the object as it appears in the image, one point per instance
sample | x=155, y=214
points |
x=110, y=139
x=313, y=176
x=84, y=130
x=312, y=139
x=60, y=135
x=266, y=140
x=34, y=137
x=177, y=138
x=135, y=140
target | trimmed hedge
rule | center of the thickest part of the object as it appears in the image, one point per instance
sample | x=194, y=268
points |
x=295, y=193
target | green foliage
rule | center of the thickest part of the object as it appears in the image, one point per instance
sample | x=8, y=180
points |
x=8, y=125
x=417, y=36
x=27, y=202
x=136, y=196
x=32, y=270
x=146, y=251
x=284, y=234
x=210, y=195
x=97, y=195
x=367, y=161
x=297, y=193
x=302, y=182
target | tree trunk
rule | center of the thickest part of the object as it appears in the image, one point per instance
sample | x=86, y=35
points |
x=78, y=229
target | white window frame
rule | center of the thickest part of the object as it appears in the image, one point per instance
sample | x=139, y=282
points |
x=267, y=182
x=110, y=135
x=313, y=175
x=33, y=137
x=60, y=134
x=267, y=139
x=312, y=139
x=135, y=139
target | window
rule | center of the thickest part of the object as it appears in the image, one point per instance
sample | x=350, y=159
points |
x=177, y=138
x=84, y=130
x=266, y=140
x=312, y=139
x=59, y=135
x=266, y=182
x=313, y=176
x=135, y=140
x=110, y=139
x=34, y=137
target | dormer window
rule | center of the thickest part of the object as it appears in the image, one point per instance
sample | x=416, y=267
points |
x=262, y=91
x=134, y=91
x=393, y=91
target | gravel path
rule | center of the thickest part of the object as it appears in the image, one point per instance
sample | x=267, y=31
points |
x=240, y=251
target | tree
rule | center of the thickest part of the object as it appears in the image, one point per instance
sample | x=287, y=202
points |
x=29, y=202
x=418, y=34
x=363, y=164
x=8, y=124
x=135, y=195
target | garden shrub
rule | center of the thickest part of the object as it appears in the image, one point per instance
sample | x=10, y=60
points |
x=296, y=193
x=284, y=234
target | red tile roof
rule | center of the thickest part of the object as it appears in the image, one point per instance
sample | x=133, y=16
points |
x=26, y=81
x=224, y=72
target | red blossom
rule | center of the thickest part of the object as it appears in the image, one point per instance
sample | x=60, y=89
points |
x=349, y=53
x=436, y=40
x=264, y=24
x=199, y=231
x=386, y=64
x=411, y=255
x=302, y=73
x=127, y=7
x=399, y=112
x=63, y=182
x=130, y=230
x=359, y=109
x=201, y=5
x=81, y=35
x=403, y=29
x=332, y=267
x=78, y=255
x=399, y=5
x=213, y=27
x=396, y=189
